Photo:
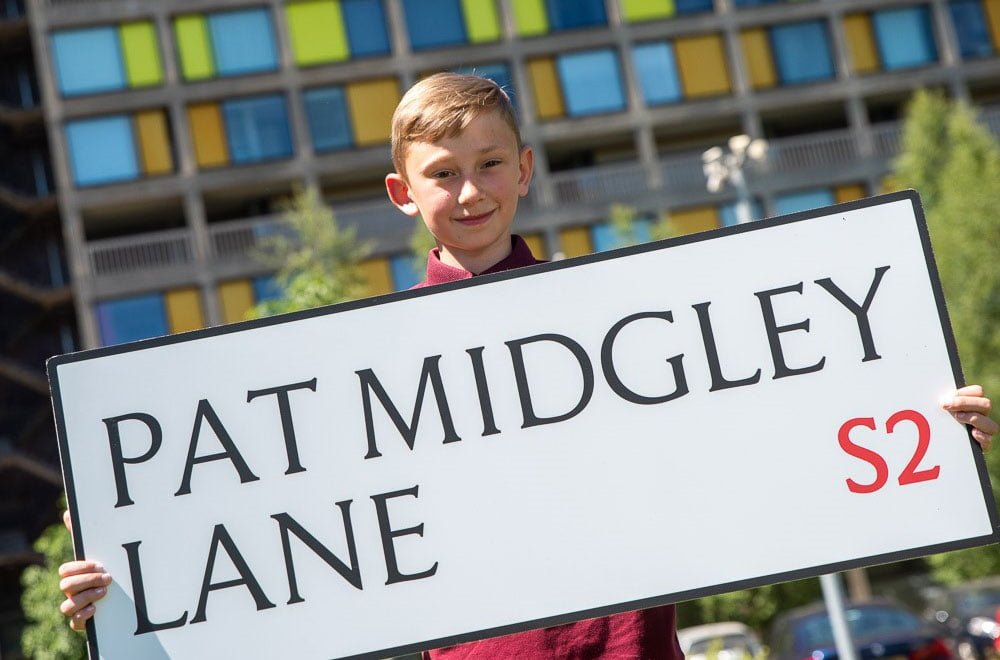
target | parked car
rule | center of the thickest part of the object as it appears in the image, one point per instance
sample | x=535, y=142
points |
x=729, y=640
x=970, y=611
x=880, y=631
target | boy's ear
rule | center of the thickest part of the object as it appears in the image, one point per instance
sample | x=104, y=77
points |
x=399, y=194
x=526, y=165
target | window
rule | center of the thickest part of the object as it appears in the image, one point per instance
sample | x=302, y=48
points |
x=801, y=52
x=371, y=104
x=257, y=129
x=437, y=23
x=365, y=20
x=404, y=275
x=803, y=201
x=104, y=59
x=905, y=37
x=591, y=82
x=701, y=62
x=572, y=14
x=328, y=119
x=971, y=28
x=657, y=73
x=101, y=150
x=228, y=43
x=605, y=236
x=131, y=319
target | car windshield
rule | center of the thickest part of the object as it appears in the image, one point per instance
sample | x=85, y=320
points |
x=978, y=602
x=719, y=643
x=815, y=631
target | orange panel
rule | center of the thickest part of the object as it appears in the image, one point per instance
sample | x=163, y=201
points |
x=154, y=142
x=694, y=220
x=575, y=241
x=850, y=192
x=377, y=275
x=861, y=43
x=545, y=88
x=702, y=64
x=536, y=243
x=208, y=135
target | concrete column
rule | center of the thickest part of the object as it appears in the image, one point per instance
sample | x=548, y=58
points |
x=949, y=52
x=194, y=211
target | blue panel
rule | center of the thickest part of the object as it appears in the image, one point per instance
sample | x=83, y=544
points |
x=498, y=73
x=591, y=82
x=801, y=52
x=569, y=14
x=365, y=21
x=257, y=128
x=404, y=275
x=243, y=42
x=905, y=37
x=729, y=217
x=970, y=26
x=131, y=319
x=693, y=6
x=657, y=71
x=755, y=3
x=604, y=236
x=266, y=287
x=101, y=150
x=803, y=200
x=434, y=23
x=329, y=122
x=88, y=60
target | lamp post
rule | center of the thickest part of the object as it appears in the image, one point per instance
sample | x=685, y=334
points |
x=721, y=167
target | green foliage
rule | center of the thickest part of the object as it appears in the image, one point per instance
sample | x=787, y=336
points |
x=953, y=161
x=622, y=218
x=316, y=260
x=754, y=607
x=422, y=241
x=48, y=635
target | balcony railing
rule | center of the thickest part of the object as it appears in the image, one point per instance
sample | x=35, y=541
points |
x=598, y=184
x=152, y=251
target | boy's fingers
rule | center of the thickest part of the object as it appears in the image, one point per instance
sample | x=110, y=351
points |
x=79, y=620
x=67, y=521
x=963, y=403
x=985, y=440
x=75, y=584
x=76, y=603
x=78, y=567
x=980, y=422
x=970, y=390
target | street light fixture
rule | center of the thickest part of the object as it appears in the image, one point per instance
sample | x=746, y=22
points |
x=722, y=166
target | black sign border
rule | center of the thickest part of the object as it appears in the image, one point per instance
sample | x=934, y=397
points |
x=52, y=365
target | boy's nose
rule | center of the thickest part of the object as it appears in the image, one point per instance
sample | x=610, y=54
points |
x=469, y=192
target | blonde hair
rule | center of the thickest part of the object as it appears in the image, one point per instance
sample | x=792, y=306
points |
x=443, y=105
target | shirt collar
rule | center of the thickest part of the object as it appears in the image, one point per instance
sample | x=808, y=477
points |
x=439, y=272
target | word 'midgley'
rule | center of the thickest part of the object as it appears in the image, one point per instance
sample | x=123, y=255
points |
x=371, y=389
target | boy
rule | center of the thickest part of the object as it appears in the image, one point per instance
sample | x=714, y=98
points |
x=461, y=166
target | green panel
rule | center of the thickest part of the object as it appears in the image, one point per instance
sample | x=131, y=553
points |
x=193, y=48
x=317, y=31
x=647, y=10
x=142, y=57
x=481, y=20
x=530, y=17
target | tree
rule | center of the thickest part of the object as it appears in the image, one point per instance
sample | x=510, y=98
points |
x=47, y=636
x=953, y=161
x=316, y=260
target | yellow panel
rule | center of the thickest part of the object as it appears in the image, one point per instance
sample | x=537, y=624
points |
x=702, y=64
x=850, y=192
x=536, y=243
x=142, y=54
x=758, y=58
x=545, y=87
x=184, y=310
x=861, y=47
x=377, y=275
x=530, y=17
x=694, y=220
x=208, y=135
x=237, y=299
x=154, y=142
x=371, y=105
x=576, y=241
x=992, y=10
x=647, y=10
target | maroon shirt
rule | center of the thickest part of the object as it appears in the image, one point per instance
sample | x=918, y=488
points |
x=642, y=635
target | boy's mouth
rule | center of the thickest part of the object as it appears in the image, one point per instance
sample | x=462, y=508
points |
x=472, y=220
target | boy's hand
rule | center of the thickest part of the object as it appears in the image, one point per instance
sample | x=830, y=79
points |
x=83, y=583
x=970, y=406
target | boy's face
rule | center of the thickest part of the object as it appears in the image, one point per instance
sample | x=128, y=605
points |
x=466, y=190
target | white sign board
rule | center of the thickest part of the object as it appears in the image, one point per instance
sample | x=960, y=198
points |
x=745, y=406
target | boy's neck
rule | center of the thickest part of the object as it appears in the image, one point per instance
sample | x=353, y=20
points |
x=477, y=261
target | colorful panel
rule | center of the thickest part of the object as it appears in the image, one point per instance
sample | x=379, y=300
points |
x=861, y=43
x=992, y=9
x=266, y=287
x=803, y=200
x=184, y=311
x=591, y=82
x=536, y=243
x=971, y=28
x=905, y=37
x=131, y=319
x=257, y=128
x=87, y=61
x=647, y=10
x=481, y=21
x=317, y=32
x=729, y=216
x=802, y=52
x=530, y=18
x=101, y=150
x=572, y=14
x=365, y=20
x=193, y=47
x=243, y=42
x=208, y=135
x=142, y=54
x=434, y=23
x=377, y=275
x=371, y=105
x=693, y=6
x=545, y=87
x=757, y=56
x=236, y=298
x=702, y=64
x=404, y=275
x=575, y=242
x=657, y=72
x=328, y=119
x=849, y=193
x=154, y=142
x=690, y=221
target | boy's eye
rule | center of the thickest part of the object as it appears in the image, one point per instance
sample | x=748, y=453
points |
x=441, y=174
x=493, y=162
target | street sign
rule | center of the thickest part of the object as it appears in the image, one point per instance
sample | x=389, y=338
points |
x=717, y=411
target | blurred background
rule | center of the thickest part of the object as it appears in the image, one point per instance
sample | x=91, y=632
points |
x=152, y=153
